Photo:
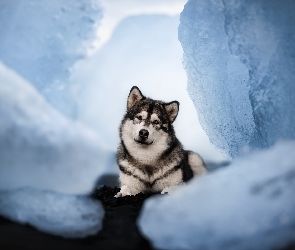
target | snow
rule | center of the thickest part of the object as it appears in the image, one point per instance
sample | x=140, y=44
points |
x=41, y=41
x=41, y=148
x=239, y=59
x=70, y=216
x=248, y=205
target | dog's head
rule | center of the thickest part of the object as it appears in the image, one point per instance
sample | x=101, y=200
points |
x=148, y=122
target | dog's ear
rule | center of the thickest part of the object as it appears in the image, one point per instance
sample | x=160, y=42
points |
x=172, y=110
x=134, y=96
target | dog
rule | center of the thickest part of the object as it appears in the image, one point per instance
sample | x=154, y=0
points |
x=150, y=157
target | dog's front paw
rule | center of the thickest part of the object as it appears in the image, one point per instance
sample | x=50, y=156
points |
x=123, y=192
x=119, y=194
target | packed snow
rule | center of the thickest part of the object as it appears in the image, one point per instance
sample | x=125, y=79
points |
x=70, y=216
x=239, y=59
x=41, y=148
x=249, y=205
x=41, y=41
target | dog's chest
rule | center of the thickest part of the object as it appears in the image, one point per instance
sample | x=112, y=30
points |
x=148, y=170
x=145, y=157
x=155, y=178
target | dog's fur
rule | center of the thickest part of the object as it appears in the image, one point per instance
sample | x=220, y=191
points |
x=150, y=157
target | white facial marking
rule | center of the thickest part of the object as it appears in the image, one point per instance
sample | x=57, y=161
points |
x=146, y=154
x=140, y=117
x=144, y=114
x=154, y=117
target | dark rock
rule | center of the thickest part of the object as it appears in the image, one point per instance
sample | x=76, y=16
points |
x=119, y=228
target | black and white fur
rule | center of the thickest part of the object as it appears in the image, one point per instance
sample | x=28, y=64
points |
x=150, y=157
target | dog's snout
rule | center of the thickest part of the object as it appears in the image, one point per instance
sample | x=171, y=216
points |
x=143, y=133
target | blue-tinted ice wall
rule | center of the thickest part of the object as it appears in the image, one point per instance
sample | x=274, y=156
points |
x=240, y=61
x=41, y=41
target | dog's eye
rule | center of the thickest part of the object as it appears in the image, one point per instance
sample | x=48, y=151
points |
x=156, y=122
x=139, y=117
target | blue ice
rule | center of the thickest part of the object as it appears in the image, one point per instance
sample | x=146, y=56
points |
x=240, y=64
x=69, y=216
x=42, y=40
x=248, y=205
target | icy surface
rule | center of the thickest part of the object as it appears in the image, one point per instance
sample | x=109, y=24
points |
x=41, y=148
x=240, y=62
x=41, y=40
x=59, y=214
x=249, y=205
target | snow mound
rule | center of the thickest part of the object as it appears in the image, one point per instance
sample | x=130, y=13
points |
x=249, y=205
x=239, y=59
x=41, y=41
x=39, y=147
x=59, y=214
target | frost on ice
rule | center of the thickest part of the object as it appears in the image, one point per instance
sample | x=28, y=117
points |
x=249, y=205
x=239, y=59
x=41, y=41
x=71, y=216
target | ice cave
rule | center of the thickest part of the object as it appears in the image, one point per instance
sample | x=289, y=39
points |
x=61, y=98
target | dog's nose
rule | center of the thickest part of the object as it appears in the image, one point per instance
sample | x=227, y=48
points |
x=143, y=133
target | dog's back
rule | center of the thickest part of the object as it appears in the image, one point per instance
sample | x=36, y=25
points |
x=196, y=163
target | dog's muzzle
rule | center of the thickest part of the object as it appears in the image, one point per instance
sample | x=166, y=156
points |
x=143, y=134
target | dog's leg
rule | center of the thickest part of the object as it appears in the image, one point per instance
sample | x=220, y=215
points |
x=130, y=185
x=168, y=182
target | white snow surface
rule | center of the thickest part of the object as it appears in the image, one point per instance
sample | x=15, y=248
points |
x=248, y=205
x=41, y=148
x=70, y=216
x=240, y=64
x=41, y=41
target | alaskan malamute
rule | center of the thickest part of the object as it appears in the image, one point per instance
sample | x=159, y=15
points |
x=150, y=157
